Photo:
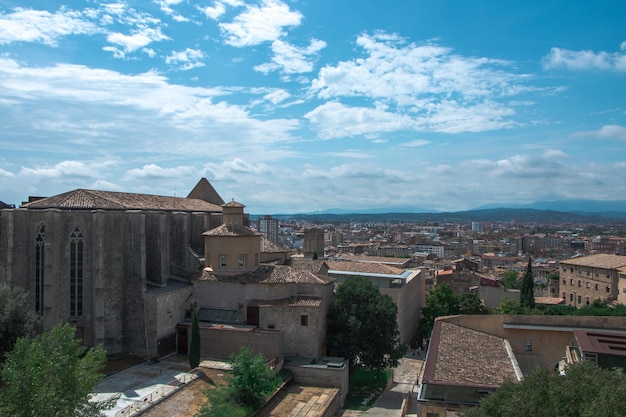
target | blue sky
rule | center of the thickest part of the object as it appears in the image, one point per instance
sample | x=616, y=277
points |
x=295, y=106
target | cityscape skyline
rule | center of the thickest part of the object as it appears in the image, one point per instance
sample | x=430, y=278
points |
x=292, y=106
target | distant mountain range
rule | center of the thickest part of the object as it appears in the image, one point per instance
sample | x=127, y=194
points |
x=540, y=211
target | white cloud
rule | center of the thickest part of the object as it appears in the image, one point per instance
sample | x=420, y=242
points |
x=415, y=143
x=153, y=171
x=187, y=59
x=290, y=59
x=277, y=96
x=585, y=60
x=26, y=25
x=166, y=7
x=260, y=24
x=138, y=39
x=62, y=170
x=335, y=120
x=606, y=132
x=426, y=87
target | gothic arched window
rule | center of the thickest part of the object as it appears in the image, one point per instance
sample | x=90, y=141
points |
x=76, y=273
x=39, y=269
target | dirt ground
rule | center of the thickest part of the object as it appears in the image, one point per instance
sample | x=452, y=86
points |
x=188, y=401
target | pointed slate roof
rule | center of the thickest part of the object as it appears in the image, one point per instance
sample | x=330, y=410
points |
x=205, y=191
x=108, y=200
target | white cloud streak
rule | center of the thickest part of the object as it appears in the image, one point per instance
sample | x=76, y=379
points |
x=258, y=24
x=585, y=60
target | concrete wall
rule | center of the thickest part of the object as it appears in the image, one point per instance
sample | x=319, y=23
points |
x=408, y=299
x=493, y=296
x=322, y=376
x=220, y=342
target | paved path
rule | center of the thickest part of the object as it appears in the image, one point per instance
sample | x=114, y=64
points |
x=389, y=404
x=143, y=384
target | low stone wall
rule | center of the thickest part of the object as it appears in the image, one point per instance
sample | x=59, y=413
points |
x=321, y=375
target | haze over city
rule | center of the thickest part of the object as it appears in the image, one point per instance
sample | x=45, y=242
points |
x=297, y=106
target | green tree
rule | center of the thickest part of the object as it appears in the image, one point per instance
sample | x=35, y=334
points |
x=52, y=375
x=584, y=391
x=469, y=303
x=527, y=295
x=509, y=306
x=17, y=318
x=509, y=279
x=362, y=325
x=252, y=379
x=194, y=343
x=440, y=301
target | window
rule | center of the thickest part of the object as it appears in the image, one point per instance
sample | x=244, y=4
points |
x=304, y=320
x=571, y=282
x=580, y=299
x=579, y=284
x=608, y=288
x=588, y=285
x=223, y=261
x=39, y=269
x=597, y=287
x=242, y=262
x=528, y=345
x=564, y=295
x=76, y=273
x=564, y=281
x=587, y=301
x=571, y=296
x=432, y=415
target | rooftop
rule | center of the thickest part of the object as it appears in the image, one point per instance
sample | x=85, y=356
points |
x=267, y=274
x=364, y=267
x=598, y=261
x=465, y=357
x=82, y=199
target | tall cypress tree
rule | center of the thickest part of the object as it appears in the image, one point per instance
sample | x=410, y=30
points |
x=194, y=344
x=527, y=295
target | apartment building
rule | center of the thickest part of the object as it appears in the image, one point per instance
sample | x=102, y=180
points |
x=590, y=278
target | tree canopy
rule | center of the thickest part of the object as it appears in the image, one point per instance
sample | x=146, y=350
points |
x=194, y=344
x=443, y=301
x=52, y=375
x=509, y=279
x=17, y=318
x=252, y=379
x=584, y=391
x=527, y=294
x=362, y=325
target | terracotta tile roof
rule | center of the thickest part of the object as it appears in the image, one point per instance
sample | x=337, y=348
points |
x=598, y=261
x=464, y=356
x=269, y=246
x=205, y=191
x=267, y=274
x=312, y=265
x=231, y=230
x=108, y=200
x=363, y=267
x=233, y=203
x=296, y=301
x=378, y=259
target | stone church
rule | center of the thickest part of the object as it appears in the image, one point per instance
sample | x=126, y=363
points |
x=129, y=269
x=116, y=265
